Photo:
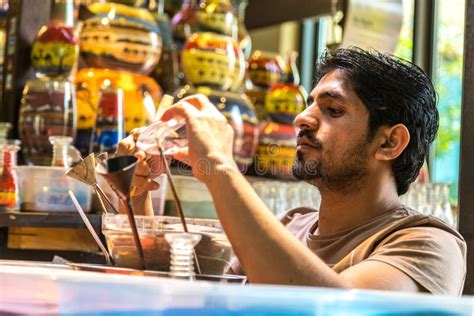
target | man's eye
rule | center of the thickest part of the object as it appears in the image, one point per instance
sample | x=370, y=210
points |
x=334, y=112
x=309, y=100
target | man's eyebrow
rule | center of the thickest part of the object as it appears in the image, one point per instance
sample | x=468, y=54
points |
x=331, y=94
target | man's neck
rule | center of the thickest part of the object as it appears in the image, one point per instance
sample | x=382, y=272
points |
x=339, y=212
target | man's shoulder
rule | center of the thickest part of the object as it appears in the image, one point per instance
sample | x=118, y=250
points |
x=416, y=223
x=300, y=213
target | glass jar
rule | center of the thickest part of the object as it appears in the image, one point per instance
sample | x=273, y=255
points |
x=47, y=108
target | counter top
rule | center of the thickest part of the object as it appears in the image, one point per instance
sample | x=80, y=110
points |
x=59, y=290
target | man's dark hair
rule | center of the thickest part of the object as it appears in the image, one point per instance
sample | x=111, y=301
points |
x=394, y=91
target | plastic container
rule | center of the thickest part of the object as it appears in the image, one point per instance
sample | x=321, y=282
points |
x=158, y=197
x=194, y=196
x=46, y=189
x=214, y=250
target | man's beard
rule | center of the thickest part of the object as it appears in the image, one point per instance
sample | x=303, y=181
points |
x=346, y=176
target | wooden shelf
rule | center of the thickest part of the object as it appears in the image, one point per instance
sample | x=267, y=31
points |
x=48, y=219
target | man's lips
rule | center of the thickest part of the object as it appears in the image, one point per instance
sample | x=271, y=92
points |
x=303, y=143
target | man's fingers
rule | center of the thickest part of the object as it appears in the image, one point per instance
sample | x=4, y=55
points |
x=182, y=155
x=126, y=146
x=144, y=185
x=202, y=103
x=183, y=109
x=135, y=133
x=142, y=168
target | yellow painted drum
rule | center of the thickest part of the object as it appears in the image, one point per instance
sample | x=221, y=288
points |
x=213, y=60
x=120, y=37
x=284, y=101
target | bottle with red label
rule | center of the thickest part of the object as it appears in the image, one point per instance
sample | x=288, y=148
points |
x=109, y=126
x=9, y=193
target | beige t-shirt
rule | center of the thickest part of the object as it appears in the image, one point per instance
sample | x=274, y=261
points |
x=424, y=248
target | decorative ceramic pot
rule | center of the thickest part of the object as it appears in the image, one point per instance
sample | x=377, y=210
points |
x=217, y=16
x=265, y=68
x=48, y=108
x=284, y=101
x=121, y=38
x=240, y=114
x=55, y=50
x=213, y=60
x=276, y=150
x=141, y=94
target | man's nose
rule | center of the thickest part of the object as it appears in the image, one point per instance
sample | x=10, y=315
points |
x=305, y=120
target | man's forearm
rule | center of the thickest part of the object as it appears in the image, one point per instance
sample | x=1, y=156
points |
x=268, y=252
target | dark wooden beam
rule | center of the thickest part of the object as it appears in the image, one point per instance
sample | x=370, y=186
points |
x=24, y=19
x=466, y=165
x=262, y=13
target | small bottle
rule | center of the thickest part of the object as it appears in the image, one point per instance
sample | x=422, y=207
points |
x=4, y=129
x=61, y=145
x=182, y=254
x=9, y=201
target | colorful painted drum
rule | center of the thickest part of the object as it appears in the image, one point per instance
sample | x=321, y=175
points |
x=240, y=114
x=265, y=68
x=213, y=60
x=121, y=38
x=284, y=101
x=276, y=150
x=217, y=16
x=48, y=108
x=141, y=95
x=55, y=50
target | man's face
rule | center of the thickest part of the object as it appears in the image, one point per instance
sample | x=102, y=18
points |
x=333, y=147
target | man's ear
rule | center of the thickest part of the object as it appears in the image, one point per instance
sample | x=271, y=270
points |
x=392, y=141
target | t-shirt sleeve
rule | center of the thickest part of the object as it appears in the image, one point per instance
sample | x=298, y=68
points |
x=285, y=218
x=434, y=258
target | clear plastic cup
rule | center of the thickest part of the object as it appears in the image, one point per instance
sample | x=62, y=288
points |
x=170, y=135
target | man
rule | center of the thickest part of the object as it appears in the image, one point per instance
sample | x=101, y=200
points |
x=362, y=140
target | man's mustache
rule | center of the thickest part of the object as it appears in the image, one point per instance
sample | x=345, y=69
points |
x=310, y=137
